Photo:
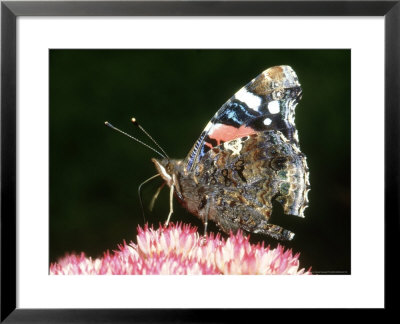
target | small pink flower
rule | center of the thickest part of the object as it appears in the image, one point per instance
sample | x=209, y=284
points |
x=178, y=249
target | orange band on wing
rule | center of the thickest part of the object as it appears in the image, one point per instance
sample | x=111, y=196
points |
x=227, y=133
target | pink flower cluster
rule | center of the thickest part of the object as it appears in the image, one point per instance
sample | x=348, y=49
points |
x=179, y=249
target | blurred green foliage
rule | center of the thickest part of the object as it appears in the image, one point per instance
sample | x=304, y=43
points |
x=95, y=172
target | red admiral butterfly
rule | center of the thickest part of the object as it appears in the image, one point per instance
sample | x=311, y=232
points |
x=247, y=156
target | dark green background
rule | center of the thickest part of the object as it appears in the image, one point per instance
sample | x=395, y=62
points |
x=95, y=172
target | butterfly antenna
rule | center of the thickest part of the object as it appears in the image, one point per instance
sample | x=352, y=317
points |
x=140, y=193
x=137, y=140
x=134, y=121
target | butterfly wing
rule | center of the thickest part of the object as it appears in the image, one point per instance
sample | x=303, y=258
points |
x=266, y=103
x=241, y=178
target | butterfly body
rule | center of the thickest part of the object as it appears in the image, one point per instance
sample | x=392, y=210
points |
x=247, y=156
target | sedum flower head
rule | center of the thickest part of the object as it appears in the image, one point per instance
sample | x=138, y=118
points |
x=178, y=249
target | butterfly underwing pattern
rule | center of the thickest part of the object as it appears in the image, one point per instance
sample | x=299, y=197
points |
x=247, y=156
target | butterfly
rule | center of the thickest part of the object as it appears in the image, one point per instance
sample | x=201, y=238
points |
x=247, y=156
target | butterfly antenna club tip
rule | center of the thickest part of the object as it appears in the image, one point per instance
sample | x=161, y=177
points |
x=109, y=125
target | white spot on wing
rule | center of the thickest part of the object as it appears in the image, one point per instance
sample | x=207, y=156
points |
x=251, y=100
x=235, y=146
x=273, y=107
x=267, y=121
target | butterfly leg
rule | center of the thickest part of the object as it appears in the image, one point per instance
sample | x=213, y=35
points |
x=210, y=201
x=140, y=195
x=171, y=205
x=153, y=200
x=206, y=219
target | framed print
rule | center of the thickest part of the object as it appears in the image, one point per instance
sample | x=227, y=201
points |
x=160, y=73
x=228, y=130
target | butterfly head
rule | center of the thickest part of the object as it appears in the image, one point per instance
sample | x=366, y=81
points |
x=165, y=168
x=169, y=171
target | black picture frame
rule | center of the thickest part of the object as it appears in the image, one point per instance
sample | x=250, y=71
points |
x=10, y=10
